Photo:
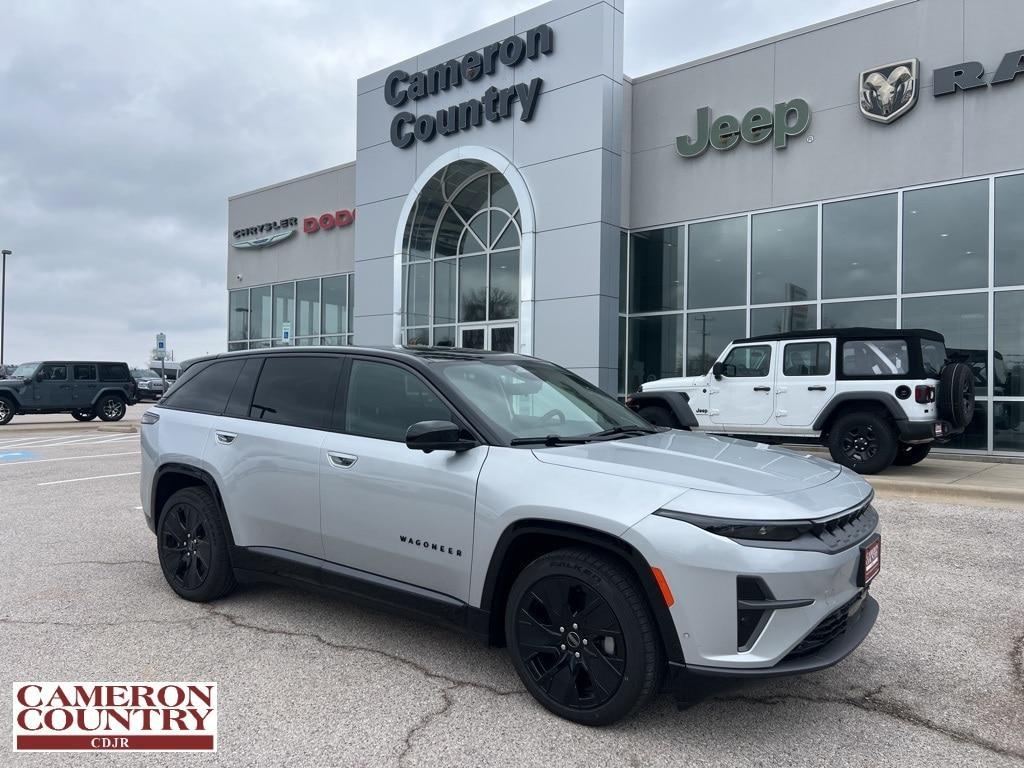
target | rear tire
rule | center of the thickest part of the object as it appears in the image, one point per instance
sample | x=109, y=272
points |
x=659, y=416
x=909, y=455
x=111, y=408
x=6, y=411
x=864, y=441
x=581, y=637
x=193, y=547
x=83, y=415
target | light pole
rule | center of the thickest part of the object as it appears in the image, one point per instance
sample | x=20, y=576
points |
x=3, y=300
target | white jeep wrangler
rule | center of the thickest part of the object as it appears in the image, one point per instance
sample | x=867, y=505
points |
x=873, y=396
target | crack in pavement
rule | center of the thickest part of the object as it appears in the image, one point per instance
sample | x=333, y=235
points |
x=101, y=562
x=83, y=624
x=453, y=682
x=868, y=703
x=447, y=702
x=1017, y=664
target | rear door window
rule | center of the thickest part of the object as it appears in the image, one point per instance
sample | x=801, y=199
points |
x=807, y=359
x=881, y=357
x=84, y=372
x=208, y=390
x=113, y=372
x=298, y=391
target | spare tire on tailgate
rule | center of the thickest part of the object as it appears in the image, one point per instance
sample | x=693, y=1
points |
x=955, y=397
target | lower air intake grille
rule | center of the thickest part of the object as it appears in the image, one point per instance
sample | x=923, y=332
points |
x=831, y=627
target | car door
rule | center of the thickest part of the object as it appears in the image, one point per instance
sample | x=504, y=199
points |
x=387, y=509
x=84, y=385
x=805, y=383
x=744, y=396
x=266, y=450
x=51, y=388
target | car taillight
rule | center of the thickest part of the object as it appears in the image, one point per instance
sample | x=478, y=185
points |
x=924, y=393
x=149, y=417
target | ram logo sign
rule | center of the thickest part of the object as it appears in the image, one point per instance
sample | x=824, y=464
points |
x=889, y=92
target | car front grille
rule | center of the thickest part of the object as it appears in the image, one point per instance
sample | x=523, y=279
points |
x=831, y=627
x=844, y=531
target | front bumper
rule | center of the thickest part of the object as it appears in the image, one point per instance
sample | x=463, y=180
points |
x=703, y=571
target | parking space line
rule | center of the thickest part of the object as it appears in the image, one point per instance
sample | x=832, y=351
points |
x=70, y=458
x=19, y=441
x=82, y=479
x=94, y=440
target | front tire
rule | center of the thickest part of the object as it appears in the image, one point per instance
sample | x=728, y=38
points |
x=6, y=411
x=863, y=441
x=909, y=455
x=111, y=408
x=582, y=638
x=193, y=547
x=83, y=415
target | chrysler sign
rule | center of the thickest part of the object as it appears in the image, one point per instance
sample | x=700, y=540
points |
x=274, y=232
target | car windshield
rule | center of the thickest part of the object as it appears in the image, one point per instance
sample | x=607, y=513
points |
x=145, y=373
x=527, y=399
x=24, y=371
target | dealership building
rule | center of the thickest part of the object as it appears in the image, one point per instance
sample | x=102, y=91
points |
x=514, y=190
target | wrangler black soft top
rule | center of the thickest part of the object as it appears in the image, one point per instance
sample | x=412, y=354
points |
x=850, y=333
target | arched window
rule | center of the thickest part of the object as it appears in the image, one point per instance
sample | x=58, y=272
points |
x=460, y=261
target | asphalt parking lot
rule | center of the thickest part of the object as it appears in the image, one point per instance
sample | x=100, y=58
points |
x=308, y=680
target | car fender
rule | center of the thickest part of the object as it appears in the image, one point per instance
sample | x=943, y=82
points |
x=678, y=403
x=111, y=390
x=11, y=395
x=883, y=398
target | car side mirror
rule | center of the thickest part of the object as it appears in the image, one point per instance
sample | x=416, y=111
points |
x=717, y=370
x=39, y=375
x=430, y=436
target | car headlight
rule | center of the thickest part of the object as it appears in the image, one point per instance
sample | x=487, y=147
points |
x=748, y=530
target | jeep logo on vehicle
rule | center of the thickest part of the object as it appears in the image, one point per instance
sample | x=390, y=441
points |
x=790, y=118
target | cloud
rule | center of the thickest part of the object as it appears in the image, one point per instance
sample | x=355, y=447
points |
x=126, y=125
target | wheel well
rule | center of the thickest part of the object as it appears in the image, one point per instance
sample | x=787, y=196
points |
x=523, y=543
x=9, y=396
x=171, y=480
x=851, y=406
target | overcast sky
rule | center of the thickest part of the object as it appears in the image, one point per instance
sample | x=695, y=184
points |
x=125, y=125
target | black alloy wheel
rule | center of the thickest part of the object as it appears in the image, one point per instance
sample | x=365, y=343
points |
x=865, y=442
x=192, y=546
x=111, y=408
x=582, y=638
x=6, y=410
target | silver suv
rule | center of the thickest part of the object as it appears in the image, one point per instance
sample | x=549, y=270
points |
x=507, y=497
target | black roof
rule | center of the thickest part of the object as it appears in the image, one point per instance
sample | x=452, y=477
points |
x=850, y=333
x=422, y=354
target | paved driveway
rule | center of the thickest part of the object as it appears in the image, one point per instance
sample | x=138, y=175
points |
x=308, y=680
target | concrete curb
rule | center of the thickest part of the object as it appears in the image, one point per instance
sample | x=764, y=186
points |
x=75, y=426
x=954, y=492
x=126, y=428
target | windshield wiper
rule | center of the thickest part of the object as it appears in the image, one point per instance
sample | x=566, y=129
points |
x=634, y=429
x=550, y=440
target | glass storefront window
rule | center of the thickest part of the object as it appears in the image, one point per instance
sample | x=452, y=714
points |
x=284, y=308
x=945, y=237
x=473, y=289
x=444, y=291
x=1009, y=344
x=858, y=247
x=859, y=314
x=765, y=320
x=975, y=437
x=963, y=320
x=655, y=349
x=623, y=269
x=417, y=293
x=307, y=308
x=238, y=315
x=504, y=285
x=1009, y=237
x=718, y=263
x=656, y=271
x=784, y=256
x=260, y=313
x=1008, y=426
x=335, y=305
x=707, y=334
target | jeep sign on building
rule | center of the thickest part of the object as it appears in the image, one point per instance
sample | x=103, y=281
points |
x=514, y=190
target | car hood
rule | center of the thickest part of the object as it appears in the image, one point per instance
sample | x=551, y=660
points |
x=675, y=383
x=694, y=461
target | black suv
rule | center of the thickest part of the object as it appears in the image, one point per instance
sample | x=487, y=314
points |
x=83, y=389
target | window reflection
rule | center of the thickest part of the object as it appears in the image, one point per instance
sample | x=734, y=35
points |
x=945, y=237
x=858, y=247
x=784, y=256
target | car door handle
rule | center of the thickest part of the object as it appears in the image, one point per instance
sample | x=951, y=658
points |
x=225, y=438
x=817, y=389
x=341, y=460
x=762, y=389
